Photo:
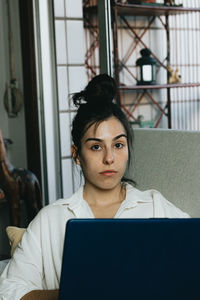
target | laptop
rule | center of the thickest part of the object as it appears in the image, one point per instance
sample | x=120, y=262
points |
x=138, y=259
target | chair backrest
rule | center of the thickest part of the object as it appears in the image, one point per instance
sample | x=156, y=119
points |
x=168, y=161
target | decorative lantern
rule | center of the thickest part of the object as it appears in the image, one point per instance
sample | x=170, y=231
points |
x=146, y=68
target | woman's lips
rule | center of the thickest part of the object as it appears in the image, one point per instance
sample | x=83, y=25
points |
x=108, y=172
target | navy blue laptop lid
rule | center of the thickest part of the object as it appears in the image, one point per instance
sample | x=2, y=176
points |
x=136, y=259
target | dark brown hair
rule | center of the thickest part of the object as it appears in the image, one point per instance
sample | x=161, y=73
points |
x=95, y=104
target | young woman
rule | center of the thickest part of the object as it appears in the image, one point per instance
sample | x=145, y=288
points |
x=101, y=146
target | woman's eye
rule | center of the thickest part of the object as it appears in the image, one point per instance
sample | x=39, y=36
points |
x=119, y=145
x=96, y=147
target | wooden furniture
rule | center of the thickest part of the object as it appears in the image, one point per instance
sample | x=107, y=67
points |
x=18, y=184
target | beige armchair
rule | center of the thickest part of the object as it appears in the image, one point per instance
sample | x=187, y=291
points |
x=169, y=161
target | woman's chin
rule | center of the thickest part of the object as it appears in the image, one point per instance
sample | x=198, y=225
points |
x=108, y=185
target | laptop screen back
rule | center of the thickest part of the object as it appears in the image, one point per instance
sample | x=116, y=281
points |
x=123, y=259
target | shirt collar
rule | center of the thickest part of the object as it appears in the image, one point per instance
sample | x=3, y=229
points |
x=133, y=196
x=72, y=202
x=77, y=205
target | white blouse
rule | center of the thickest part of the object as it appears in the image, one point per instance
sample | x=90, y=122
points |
x=36, y=263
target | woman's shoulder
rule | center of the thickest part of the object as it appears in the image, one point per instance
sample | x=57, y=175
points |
x=53, y=215
x=62, y=203
x=162, y=207
x=166, y=207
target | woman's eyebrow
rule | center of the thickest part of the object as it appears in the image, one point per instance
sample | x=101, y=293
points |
x=119, y=136
x=93, y=139
x=100, y=140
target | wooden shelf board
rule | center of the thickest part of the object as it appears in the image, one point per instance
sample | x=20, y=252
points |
x=145, y=10
x=152, y=10
x=157, y=86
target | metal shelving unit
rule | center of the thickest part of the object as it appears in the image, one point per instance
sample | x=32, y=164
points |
x=122, y=12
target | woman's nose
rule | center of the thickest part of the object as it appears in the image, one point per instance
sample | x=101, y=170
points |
x=109, y=157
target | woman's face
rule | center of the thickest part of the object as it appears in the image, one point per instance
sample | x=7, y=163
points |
x=104, y=154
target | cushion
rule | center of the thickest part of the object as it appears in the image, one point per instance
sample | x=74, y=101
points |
x=14, y=235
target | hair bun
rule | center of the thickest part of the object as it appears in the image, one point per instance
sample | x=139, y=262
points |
x=102, y=88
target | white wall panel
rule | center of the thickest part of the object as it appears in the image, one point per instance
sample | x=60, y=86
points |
x=59, y=8
x=77, y=79
x=62, y=88
x=65, y=136
x=61, y=53
x=75, y=42
x=71, y=75
x=67, y=178
x=74, y=8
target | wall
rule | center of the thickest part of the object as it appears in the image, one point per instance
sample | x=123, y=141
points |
x=13, y=128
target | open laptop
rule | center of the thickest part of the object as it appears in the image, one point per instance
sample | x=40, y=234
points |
x=139, y=259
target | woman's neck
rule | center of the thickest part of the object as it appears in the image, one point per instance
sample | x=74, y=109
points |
x=101, y=197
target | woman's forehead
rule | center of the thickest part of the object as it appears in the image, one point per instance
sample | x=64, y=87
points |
x=109, y=128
